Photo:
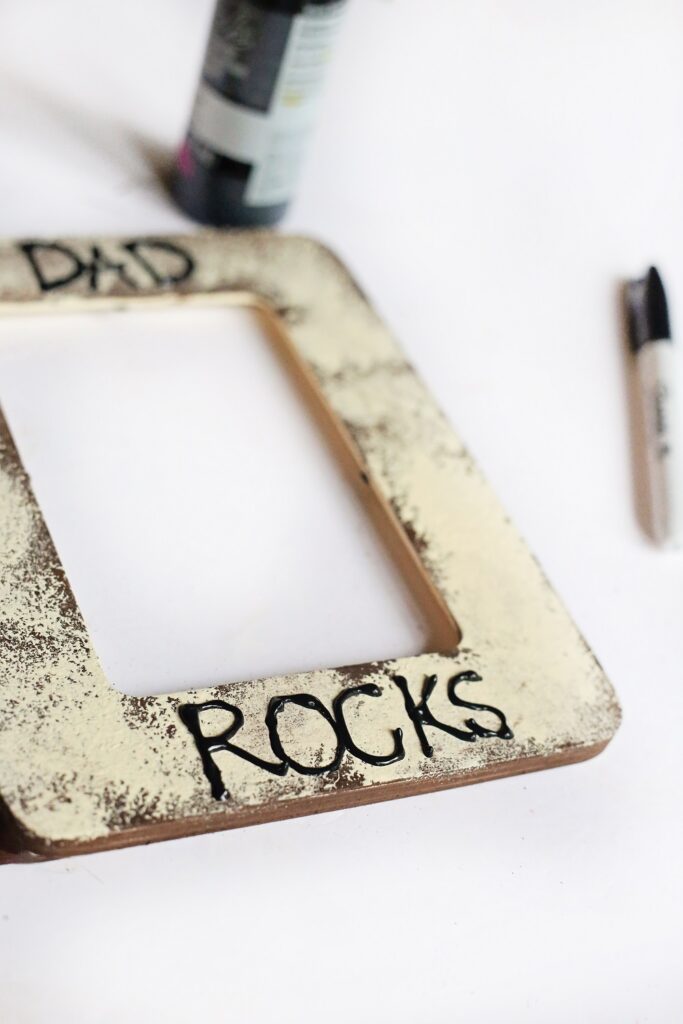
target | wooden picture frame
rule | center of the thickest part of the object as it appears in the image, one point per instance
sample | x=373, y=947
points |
x=507, y=686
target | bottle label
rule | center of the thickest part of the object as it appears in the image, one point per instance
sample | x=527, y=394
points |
x=259, y=93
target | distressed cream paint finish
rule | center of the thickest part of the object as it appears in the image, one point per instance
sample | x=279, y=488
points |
x=83, y=766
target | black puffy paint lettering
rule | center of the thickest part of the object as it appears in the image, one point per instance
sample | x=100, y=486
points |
x=146, y=253
x=139, y=263
x=190, y=715
x=420, y=714
x=48, y=282
x=503, y=731
x=379, y=760
x=311, y=703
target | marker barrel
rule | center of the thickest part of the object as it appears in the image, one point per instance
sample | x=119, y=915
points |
x=657, y=376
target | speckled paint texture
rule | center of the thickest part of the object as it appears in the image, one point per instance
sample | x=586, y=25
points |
x=83, y=766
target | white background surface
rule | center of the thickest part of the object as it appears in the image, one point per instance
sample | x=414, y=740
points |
x=490, y=171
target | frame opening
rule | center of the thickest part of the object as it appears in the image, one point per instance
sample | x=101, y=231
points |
x=145, y=649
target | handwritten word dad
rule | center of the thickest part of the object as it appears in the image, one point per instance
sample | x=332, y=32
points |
x=140, y=263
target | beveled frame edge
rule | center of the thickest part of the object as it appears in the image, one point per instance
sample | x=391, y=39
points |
x=454, y=531
x=21, y=847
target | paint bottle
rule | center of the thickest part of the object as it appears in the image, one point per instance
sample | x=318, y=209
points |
x=254, y=109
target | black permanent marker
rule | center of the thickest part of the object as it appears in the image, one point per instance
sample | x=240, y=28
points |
x=655, y=357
